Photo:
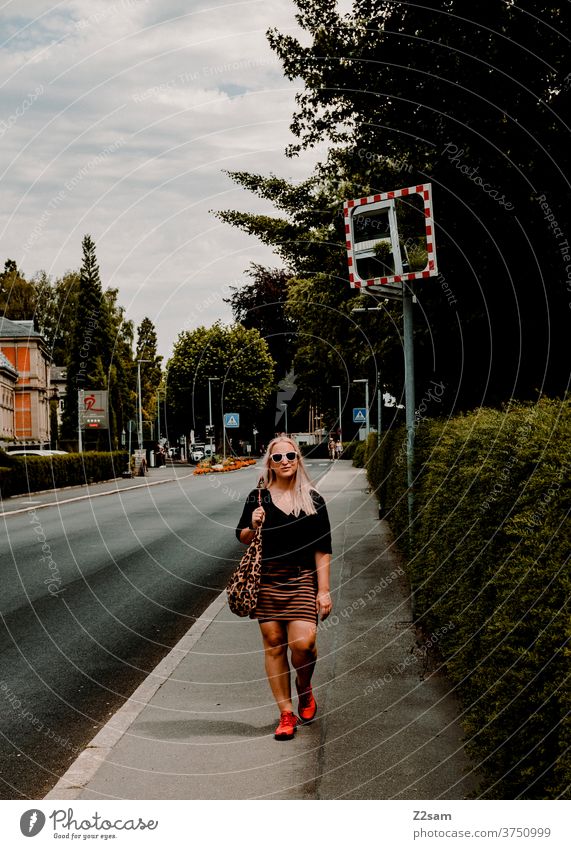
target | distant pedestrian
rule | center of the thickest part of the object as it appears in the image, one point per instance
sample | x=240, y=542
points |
x=331, y=448
x=338, y=449
x=296, y=555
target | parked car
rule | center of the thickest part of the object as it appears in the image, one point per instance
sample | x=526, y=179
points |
x=197, y=454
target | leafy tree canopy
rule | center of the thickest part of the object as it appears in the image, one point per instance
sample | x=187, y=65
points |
x=240, y=360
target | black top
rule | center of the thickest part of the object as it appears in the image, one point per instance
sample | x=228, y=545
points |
x=286, y=538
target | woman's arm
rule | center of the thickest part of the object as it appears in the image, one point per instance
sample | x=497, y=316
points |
x=323, y=568
x=246, y=534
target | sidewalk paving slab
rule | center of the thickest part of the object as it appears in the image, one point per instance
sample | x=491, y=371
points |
x=201, y=726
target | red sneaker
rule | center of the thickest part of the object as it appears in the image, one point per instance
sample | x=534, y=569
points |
x=287, y=726
x=307, y=706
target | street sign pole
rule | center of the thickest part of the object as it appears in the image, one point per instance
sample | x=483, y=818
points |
x=379, y=410
x=394, y=282
x=80, y=418
x=409, y=395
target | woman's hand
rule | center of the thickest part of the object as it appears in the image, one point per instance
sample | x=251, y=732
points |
x=324, y=604
x=258, y=517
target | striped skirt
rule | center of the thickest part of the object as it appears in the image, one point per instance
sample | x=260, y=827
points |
x=286, y=593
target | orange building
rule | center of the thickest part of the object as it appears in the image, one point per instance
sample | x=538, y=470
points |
x=8, y=379
x=25, y=349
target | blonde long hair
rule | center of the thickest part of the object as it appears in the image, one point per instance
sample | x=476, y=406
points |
x=302, y=485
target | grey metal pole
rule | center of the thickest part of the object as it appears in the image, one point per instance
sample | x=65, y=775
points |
x=140, y=416
x=379, y=412
x=340, y=426
x=367, y=423
x=409, y=395
x=79, y=429
x=210, y=411
x=158, y=416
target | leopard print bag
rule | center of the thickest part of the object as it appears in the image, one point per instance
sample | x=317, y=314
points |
x=244, y=584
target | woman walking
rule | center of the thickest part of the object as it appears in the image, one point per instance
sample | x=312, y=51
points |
x=296, y=552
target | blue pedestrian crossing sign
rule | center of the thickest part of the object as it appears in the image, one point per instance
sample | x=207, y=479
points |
x=360, y=414
x=231, y=419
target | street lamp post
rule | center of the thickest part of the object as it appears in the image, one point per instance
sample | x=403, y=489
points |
x=284, y=405
x=210, y=379
x=337, y=386
x=140, y=418
x=365, y=380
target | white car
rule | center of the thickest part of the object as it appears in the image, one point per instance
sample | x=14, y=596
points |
x=196, y=455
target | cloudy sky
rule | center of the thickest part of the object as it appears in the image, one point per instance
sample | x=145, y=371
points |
x=117, y=119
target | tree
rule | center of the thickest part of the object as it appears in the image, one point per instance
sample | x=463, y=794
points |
x=55, y=309
x=433, y=89
x=240, y=360
x=120, y=368
x=90, y=345
x=330, y=346
x=150, y=370
x=260, y=304
x=17, y=295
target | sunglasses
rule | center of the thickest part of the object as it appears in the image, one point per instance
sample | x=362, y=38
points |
x=289, y=455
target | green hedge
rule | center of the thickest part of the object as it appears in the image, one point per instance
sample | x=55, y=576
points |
x=489, y=551
x=30, y=474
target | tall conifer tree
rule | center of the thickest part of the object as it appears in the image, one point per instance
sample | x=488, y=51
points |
x=89, y=339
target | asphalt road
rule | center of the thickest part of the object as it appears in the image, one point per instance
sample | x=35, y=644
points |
x=94, y=593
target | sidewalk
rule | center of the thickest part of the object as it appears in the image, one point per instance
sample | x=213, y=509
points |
x=201, y=725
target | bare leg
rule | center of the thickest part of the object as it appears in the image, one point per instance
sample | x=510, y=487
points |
x=274, y=635
x=302, y=642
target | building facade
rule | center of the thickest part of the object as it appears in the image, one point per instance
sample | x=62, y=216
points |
x=8, y=380
x=25, y=350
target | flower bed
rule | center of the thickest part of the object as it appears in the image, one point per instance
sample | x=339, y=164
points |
x=206, y=467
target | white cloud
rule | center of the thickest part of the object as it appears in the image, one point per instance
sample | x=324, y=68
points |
x=142, y=104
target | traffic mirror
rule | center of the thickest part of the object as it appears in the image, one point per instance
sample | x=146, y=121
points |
x=390, y=239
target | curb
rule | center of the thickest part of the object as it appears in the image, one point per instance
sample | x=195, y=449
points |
x=83, y=769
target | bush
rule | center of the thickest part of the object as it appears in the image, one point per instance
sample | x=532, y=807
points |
x=31, y=474
x=489, y=552
x=359, y=455
x=5, y=481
